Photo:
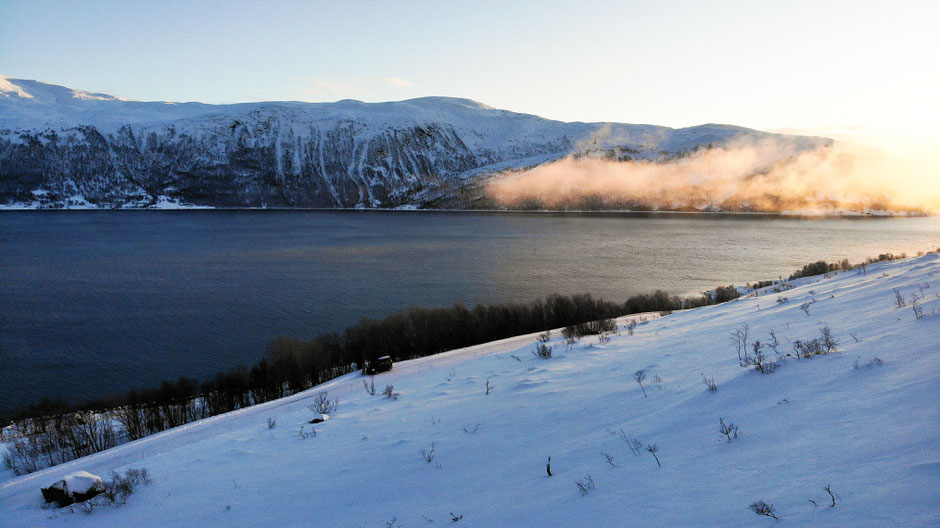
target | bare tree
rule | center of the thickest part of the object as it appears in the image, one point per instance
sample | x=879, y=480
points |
x=653, y=450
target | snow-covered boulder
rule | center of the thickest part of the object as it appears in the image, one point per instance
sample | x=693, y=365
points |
x=75, y=487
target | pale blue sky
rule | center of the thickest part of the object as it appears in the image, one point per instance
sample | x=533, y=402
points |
x=868, y=71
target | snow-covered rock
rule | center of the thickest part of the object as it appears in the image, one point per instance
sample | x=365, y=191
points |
x=75, y=487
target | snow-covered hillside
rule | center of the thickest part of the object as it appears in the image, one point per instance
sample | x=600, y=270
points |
x=61, y=147
x=863, y=420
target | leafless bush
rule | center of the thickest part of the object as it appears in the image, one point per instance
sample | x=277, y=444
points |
x=782, y=300
x=729, y=430
x=542, y=351
x=917, y=308
x=389, y=392
x=305, y=435
x=774, y=342
x=585, y=485
x=639, y=376
x=739, y=338
x=805, y=307
x=609, y=458
x=545, y=336
x=710, y=384
x=635, y=445
x=872, y=363
x=322, y=404
x=455, y=518
x=762, y=508
x=652, y=449
x=828, y=341
x=488, y=387
x=471, y=430
x=272, y=422
x=122, y=486
x=899, y=299
x=631, y=327
x=369, y=385
x=428, y=454
x=603, y=338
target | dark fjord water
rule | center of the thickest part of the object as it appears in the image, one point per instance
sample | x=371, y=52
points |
x=101, y=302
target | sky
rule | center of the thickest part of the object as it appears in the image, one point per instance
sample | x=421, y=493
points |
x=855, y=70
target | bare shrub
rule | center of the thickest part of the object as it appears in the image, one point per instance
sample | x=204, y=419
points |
x=728, y=429
x=762, y=508
x=652, y=449
x=609, y=458
x=428, y=454
x=603, y=338
x=639, y=376
x=631, y=327
x=542, y=351
x=805, y=307
x=917, y=308
x=122, y=486
x=488, y=387
x=739, y=338
x=635, y=445
x=585, y=485
x=710, y=384
x=545, y=336
x=471, y=430
x=322, y=404
x=899, y=299
x=369, y=385
x=272, y=422
x=829, y=342
x=389, y=392
x=305, y=435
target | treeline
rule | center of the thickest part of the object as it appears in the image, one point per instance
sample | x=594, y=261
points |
x=52, y=431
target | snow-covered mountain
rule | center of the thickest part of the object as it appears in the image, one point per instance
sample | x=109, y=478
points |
x=61, y=147
x=470, y=432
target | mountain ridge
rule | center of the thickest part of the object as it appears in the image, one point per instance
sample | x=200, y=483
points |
x=61, y=147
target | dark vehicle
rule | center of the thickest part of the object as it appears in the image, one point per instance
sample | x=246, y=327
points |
x=383, y=364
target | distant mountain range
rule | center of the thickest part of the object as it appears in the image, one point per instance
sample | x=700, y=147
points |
x=61, y=147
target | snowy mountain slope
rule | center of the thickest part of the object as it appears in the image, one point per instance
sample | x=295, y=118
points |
x=871, y=432
x=61, y=147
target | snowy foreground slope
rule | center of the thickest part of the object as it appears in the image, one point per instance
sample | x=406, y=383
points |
x=872, y=432
x=61, y=147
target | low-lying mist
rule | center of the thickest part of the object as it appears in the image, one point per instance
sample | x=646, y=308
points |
x=771, y=175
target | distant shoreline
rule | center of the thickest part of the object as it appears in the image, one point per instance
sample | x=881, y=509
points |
x=612, y=212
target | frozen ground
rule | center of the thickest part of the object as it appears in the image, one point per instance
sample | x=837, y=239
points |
x=872, y=432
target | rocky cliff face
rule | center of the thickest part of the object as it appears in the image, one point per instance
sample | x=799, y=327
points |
x=66, y=148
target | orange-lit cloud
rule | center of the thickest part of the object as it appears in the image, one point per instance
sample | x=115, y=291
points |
x=772, y=175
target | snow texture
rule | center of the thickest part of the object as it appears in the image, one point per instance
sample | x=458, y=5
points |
x=869, y=430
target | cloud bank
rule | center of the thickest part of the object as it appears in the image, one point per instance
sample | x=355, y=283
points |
x=772, y=175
